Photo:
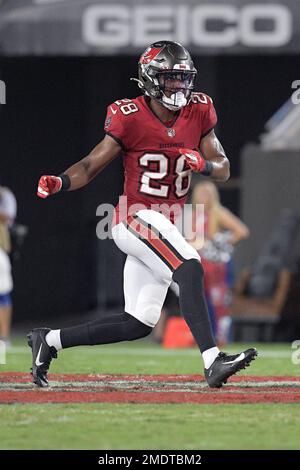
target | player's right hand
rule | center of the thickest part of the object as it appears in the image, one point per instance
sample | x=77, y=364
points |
x=194, y=159
x=48, y=185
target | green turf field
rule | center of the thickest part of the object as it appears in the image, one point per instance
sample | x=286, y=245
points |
x=132, y=426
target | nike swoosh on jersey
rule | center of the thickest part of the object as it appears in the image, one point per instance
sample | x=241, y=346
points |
x=237, y=359
x=114, y=111
x=37, y=361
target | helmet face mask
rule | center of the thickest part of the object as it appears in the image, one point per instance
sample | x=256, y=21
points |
x=176, y=88
x=167, y=74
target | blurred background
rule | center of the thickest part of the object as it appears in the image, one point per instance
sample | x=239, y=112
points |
x=63, y=62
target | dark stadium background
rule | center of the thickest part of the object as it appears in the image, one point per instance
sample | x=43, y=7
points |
x=54, y=116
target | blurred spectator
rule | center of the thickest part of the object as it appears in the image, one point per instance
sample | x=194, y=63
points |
x=222, y=229
x=8, y=208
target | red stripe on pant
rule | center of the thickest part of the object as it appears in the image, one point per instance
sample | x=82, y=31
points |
x=158, y=244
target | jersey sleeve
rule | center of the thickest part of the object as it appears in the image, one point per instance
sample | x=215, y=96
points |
x=209, y=118
x=114, y=125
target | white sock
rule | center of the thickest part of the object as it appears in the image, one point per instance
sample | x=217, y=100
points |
x=53, y=339
x=209, y=356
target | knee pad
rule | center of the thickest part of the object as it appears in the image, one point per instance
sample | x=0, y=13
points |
x=135, y=329
x=188, y=271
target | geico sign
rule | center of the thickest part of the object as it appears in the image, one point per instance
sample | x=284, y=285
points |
x=120, y=25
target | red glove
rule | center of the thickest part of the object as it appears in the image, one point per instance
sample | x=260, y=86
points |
x=49, y=185
x=193, y=158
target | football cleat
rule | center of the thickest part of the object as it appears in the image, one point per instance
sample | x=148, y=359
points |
x=42, y=355
x=226, y=365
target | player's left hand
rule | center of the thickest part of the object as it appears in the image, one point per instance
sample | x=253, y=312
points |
x=193, y=158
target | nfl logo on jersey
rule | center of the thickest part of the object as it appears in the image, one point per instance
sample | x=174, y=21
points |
x=171, y=132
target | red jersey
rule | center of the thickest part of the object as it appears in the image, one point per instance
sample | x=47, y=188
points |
x=156, y=174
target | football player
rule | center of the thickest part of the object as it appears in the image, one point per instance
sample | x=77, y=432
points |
x=164, y=135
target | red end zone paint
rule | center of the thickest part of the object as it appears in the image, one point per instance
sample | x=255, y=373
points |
x=16, y=388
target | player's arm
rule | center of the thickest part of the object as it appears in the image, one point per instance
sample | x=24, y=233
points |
x=82, y=172
x=212, y=151
x=210, y=160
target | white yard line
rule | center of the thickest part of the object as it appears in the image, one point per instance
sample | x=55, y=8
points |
x=155, y=386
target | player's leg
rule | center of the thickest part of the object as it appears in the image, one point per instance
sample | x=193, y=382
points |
x=152, y=238
x=45, y=343
x=105, y=330
x=144, y=292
